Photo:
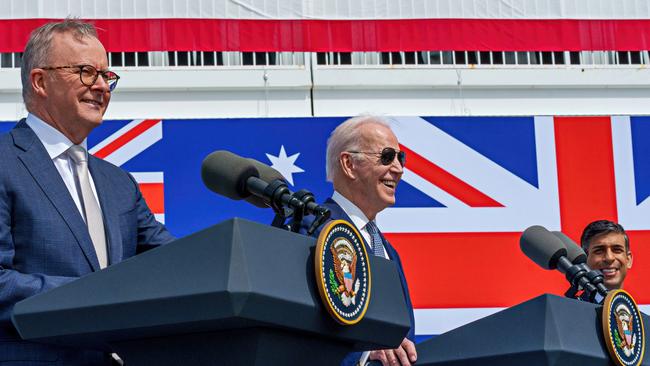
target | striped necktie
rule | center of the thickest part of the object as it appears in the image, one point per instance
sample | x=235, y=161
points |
x=377, y=243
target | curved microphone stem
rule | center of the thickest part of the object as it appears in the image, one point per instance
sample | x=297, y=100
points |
x=305, y=197
x=309, y=207
x=581, y=277
x=280, y=198
x=596, y=277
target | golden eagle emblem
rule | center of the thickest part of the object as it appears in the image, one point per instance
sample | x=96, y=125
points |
x=342, y=271
x=346, y=285
x=624, y=334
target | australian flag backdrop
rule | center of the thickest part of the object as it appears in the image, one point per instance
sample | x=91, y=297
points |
x=471, y=185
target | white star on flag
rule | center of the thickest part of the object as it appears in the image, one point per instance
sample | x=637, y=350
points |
x=285, y=164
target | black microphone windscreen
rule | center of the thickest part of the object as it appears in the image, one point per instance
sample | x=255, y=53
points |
x=542, y=247
x=226, y=173
x=268, y=175
x=574, y=253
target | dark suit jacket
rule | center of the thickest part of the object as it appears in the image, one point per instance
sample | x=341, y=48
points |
x=45, y=243
x=337, y=213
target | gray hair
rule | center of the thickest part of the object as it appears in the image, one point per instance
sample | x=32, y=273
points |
x=347, y=137
x=38, y=47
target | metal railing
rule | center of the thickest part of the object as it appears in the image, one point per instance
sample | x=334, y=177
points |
x=490, y=58
x=423, y=58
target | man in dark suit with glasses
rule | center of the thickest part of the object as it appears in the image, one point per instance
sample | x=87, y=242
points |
x=63, y=213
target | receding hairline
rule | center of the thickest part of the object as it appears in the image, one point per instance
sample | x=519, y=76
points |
x=79, y=38
x=343, y=137
x=79, y=31
x=38, y=49
x=370, y=123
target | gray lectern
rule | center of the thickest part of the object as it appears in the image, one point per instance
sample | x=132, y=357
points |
x=547, y=330
x=238, y=293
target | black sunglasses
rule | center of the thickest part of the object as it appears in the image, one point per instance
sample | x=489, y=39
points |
x=386, y=156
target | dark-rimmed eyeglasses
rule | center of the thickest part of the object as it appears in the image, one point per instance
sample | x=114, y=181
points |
x=89, y=74
x=386, y=156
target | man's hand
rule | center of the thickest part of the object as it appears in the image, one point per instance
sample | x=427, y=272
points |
x=404, y=355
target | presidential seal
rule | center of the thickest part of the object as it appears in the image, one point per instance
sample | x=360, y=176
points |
x=342, y=272
x=623, y=329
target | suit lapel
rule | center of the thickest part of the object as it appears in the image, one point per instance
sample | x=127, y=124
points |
x=337, y=212
x=111, y=223
x=394, y=256
x=37, y=161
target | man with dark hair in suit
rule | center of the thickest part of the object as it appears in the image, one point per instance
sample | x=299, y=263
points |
x=365, y=164
x=63, y=213
x=608, y=250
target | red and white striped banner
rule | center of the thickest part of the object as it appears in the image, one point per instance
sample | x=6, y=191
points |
x=366, y=25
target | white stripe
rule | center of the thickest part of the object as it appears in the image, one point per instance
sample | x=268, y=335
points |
x=148, y=177
x=160, y=218
x=136, y=145
x=460, y=160
x=644, y=309
x=431, y=190
x=326, y=9
x=630, y=215
x=131, y=125
x=524, y=205
x=438, y=321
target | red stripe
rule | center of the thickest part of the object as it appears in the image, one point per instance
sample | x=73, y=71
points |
x=126, y=138
x=446, y=181
x=154, y=195
x=446, y=270
x=585, y=168
x=489, y=270
x=638, y=276
x=353, y=35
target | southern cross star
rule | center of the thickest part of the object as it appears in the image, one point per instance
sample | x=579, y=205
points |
x=285, y=164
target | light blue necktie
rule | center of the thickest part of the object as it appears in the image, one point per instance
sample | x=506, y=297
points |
x=375, y=238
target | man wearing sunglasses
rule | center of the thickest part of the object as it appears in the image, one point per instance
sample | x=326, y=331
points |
x=63, y=212
x=365, y=164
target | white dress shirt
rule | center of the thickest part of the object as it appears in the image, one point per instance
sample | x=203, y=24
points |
x=57, y=144
x=359, y=220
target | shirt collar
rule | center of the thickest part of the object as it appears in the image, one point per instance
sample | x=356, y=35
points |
x=599, y=298
x=358, y=218
x=55, y=142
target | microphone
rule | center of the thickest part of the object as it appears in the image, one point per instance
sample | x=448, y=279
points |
x=578, y=257
x=227, y=174
x=270, y=176
x=549, y=252
x=267, y=174
x=574, y=253
x=542, y=247
x=239, y=178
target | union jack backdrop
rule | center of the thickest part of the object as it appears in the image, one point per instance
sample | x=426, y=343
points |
x=471, y=185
